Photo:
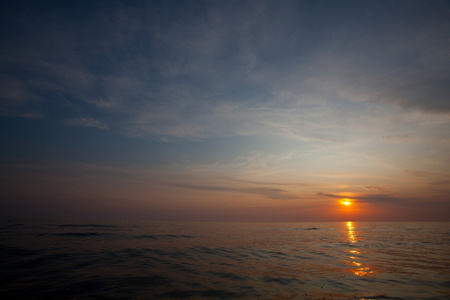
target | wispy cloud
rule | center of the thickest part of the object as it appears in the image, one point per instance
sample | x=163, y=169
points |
x=272, y=193
x=444, y=183
x=426, y=174
x=87, y=122
x=401, y=139
x=270, y=183
x=374, y=188
x=418, y=173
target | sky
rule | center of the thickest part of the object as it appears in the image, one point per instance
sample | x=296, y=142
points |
x=225, y=110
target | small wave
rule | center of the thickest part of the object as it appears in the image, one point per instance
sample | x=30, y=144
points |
x=153, y=280
x=145, y=236
x=231, y=276
x=16, y=225
x=281, y=280
x=88, y=225
x=19, y=252
x=129, y=252
x=211, y=293
x=78, y=234
x=183, y=268
x=204, y=250
x=310, y=228
x=162, y=236
x=276, y=253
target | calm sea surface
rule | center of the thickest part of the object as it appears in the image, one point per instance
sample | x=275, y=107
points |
x=164, y=260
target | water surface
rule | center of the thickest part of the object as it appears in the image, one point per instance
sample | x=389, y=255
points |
x=170, y=260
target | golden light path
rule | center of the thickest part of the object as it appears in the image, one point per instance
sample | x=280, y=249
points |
x=360, y=270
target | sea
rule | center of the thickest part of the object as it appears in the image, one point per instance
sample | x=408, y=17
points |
x=75, y=259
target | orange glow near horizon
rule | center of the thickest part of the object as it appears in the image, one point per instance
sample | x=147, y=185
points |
x=346, y=208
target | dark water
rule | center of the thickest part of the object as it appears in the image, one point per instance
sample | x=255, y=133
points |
x=160, y=260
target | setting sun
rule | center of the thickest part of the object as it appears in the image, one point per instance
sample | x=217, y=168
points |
x=346, y=202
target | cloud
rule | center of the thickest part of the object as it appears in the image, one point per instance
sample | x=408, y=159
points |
x=418, y=173
x=278, y=194
x=271, y=193
x=444, y=183
x=374, y=188
x=425, y=174
x=401, y=61
x=86, y=122
x=444, y=141
x=219, y=69
x=400, y=139
x=369, y=198
x=269, y=183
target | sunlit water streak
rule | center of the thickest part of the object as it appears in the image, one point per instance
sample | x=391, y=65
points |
x=361, y=270
x=161, y=260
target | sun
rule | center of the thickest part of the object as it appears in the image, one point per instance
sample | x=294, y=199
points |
x=346, y=202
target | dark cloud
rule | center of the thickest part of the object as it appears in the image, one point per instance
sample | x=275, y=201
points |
x=380, y=198
x=369, y=198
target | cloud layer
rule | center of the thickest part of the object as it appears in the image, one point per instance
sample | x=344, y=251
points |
x=206, y=69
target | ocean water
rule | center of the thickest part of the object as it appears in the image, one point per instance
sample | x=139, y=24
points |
x=171, y=260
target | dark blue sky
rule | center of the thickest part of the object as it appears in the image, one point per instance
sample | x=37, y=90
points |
x=252, y=110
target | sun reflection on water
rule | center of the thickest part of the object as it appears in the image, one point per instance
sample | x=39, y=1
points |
x=351, y=232
x=360, y=269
